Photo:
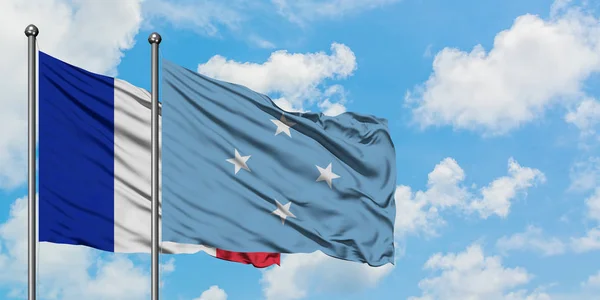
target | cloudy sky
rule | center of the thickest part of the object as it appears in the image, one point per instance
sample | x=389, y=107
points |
x=492, y=105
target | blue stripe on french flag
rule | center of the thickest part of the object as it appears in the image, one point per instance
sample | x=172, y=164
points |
x=94, y=165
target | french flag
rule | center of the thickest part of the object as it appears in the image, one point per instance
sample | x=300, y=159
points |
x=95, y=165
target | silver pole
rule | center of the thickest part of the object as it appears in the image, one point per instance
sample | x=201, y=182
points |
x=31, y=32
x=154, y=40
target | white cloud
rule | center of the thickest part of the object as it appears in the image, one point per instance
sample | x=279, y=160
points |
x=593, y=281
x=589, y=242
x=559, y=6
x=585, y=175
x=208, y=17
x=334, y=101
x=593, y=205
x=472, y=275
x=420, y=211
x=331, y=109
x=65, y=271
x=524, y=295
x=532, y=66
x=213, y=293
x=427, y=53
x=89, y=34
x=586, y=117
x=496, y=196
x=203, y=17
x=588, y=290
x=308, y=10
x=168, y=266
x=297, y=78
x=212, y=17
x=286, y=105
x=300, y=274
x=415, y=214
x=532, y=239
x=261, y=42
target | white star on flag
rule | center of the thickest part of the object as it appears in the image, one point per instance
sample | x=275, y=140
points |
x=283, y=125
x=239, y=162
x=283, y=211
x=327, y=174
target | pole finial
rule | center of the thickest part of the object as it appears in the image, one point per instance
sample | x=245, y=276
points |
x=154, y=38
x=31, y=30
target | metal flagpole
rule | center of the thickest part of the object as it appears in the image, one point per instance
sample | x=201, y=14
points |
x=154, y=40
x=31, y=32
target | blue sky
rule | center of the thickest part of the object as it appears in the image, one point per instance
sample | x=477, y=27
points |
x=493, y=108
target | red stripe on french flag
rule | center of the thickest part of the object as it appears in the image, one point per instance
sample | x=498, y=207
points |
x=257, y=259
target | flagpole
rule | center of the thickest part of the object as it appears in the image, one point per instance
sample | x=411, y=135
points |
x=31, y=32
x=154, y=39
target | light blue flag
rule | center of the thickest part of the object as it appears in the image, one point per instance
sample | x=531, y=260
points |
x=239, y=173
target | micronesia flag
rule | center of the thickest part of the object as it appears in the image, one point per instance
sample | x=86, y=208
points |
x=95, y=165
x=242, y=174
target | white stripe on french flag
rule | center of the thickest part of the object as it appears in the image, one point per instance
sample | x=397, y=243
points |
x=95, y=164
